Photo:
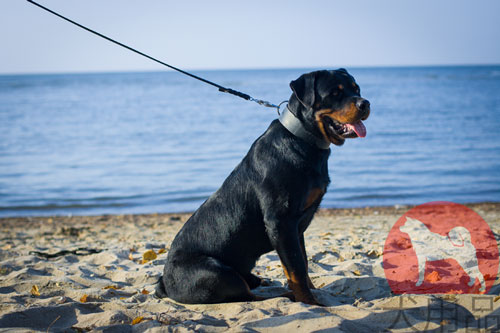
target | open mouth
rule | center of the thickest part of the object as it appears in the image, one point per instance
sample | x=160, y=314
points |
x=338, y=132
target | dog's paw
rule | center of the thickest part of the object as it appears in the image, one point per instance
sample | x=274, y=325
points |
x=306, y=297
x=253, y=281
x=288, y=295
x=309, y=300
x=265, y=282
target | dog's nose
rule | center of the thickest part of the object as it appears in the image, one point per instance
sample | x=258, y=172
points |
x=363, y=106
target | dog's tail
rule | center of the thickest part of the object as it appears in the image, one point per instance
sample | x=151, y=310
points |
x=160, y=291
x=459, y=237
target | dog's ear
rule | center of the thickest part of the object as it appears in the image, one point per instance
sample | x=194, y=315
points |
x=304, y=90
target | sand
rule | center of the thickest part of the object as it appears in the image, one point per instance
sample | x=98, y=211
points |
x=112, y=289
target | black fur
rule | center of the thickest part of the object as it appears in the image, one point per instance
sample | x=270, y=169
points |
x=260, y=207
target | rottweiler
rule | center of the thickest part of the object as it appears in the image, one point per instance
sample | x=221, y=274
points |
x=268, y=200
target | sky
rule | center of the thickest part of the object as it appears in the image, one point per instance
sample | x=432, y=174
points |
x=232, y=34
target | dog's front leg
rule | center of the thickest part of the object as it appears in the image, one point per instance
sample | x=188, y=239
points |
x=286, y=241
x=304, y=254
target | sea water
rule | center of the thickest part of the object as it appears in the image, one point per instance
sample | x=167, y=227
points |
x=120, y=143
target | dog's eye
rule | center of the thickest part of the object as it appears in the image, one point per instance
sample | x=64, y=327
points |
x=337, y=92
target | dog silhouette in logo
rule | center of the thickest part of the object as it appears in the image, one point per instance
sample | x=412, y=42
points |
x=430, y=246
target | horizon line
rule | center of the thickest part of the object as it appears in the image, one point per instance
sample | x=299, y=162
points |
x=264, y=68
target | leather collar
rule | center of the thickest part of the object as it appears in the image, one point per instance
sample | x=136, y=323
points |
x=294, y=126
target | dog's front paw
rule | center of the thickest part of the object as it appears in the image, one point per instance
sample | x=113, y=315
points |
x=306, y=297
x=311, y=300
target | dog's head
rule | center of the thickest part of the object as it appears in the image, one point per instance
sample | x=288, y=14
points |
x=329, y=104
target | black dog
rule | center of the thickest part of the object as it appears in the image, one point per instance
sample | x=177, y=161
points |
x=269, y=199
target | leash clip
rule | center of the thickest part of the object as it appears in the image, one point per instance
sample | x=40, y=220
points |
x=279, y=106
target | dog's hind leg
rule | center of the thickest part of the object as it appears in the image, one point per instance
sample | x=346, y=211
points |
x=160, y=291
x=198, y=279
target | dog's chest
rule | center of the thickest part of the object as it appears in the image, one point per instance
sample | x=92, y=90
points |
x=318, y=183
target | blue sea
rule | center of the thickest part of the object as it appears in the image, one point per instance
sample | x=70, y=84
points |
x=122, y=143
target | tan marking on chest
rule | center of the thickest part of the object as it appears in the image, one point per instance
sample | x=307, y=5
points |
x=314, y=194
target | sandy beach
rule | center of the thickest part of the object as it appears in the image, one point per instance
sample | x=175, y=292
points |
x=98, y=273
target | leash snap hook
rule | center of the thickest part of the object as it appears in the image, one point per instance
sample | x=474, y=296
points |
x=279, y=106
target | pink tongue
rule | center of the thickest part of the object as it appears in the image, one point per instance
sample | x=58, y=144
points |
x=359, y=128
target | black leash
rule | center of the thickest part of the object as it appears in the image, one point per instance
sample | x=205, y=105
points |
x=221, y=88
